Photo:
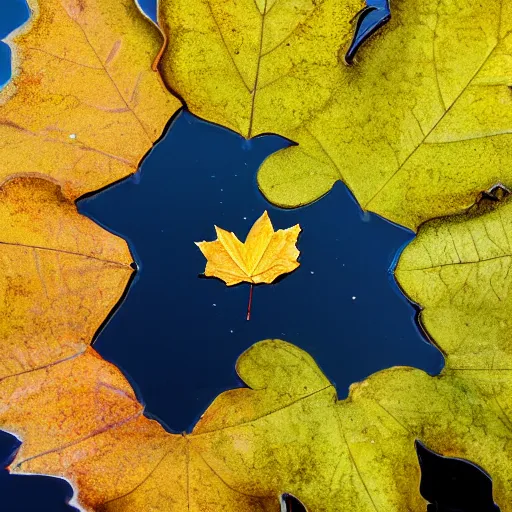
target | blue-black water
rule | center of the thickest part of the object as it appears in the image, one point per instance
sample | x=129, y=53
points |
x=13, y=13
x=177, y=336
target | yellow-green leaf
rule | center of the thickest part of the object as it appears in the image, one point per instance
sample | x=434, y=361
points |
x=256, y=66
x=416, y=128
x=458, y=271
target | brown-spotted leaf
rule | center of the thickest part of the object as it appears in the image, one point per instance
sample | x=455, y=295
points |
x=84, y=105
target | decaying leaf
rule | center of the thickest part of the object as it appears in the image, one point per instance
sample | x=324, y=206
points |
x=416, y=128
x=265, y=255
x=286, y=433
x=85, y=105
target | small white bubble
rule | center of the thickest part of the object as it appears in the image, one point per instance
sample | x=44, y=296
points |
x=222, y=190
x=354, y=298
x=212, y=176
x=214, y=305
x=312, y=272
x=245, y=218
x=231, y=331
x=72, y=136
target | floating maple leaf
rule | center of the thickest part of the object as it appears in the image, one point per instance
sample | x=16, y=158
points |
x=265, y=255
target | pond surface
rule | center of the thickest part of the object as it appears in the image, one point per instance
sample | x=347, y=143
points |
x=177, y=336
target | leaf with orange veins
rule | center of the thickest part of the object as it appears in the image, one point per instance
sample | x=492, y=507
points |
x=265, y=255
x=60, y=276
x=84, y=105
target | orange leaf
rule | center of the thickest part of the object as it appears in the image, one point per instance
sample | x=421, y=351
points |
x=265, y=255
x=60, y=275
x=84, y=105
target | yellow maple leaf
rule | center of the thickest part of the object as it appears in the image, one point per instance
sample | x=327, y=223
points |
x=265, y=255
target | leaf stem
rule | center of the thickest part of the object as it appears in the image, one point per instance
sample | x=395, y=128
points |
x=250, y=303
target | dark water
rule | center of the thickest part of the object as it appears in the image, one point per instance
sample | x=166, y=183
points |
x=177, y=336
x=13, y=13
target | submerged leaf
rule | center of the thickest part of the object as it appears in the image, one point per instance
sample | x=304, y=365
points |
x=265, y=255
x=84, y=105
x=415, y=129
